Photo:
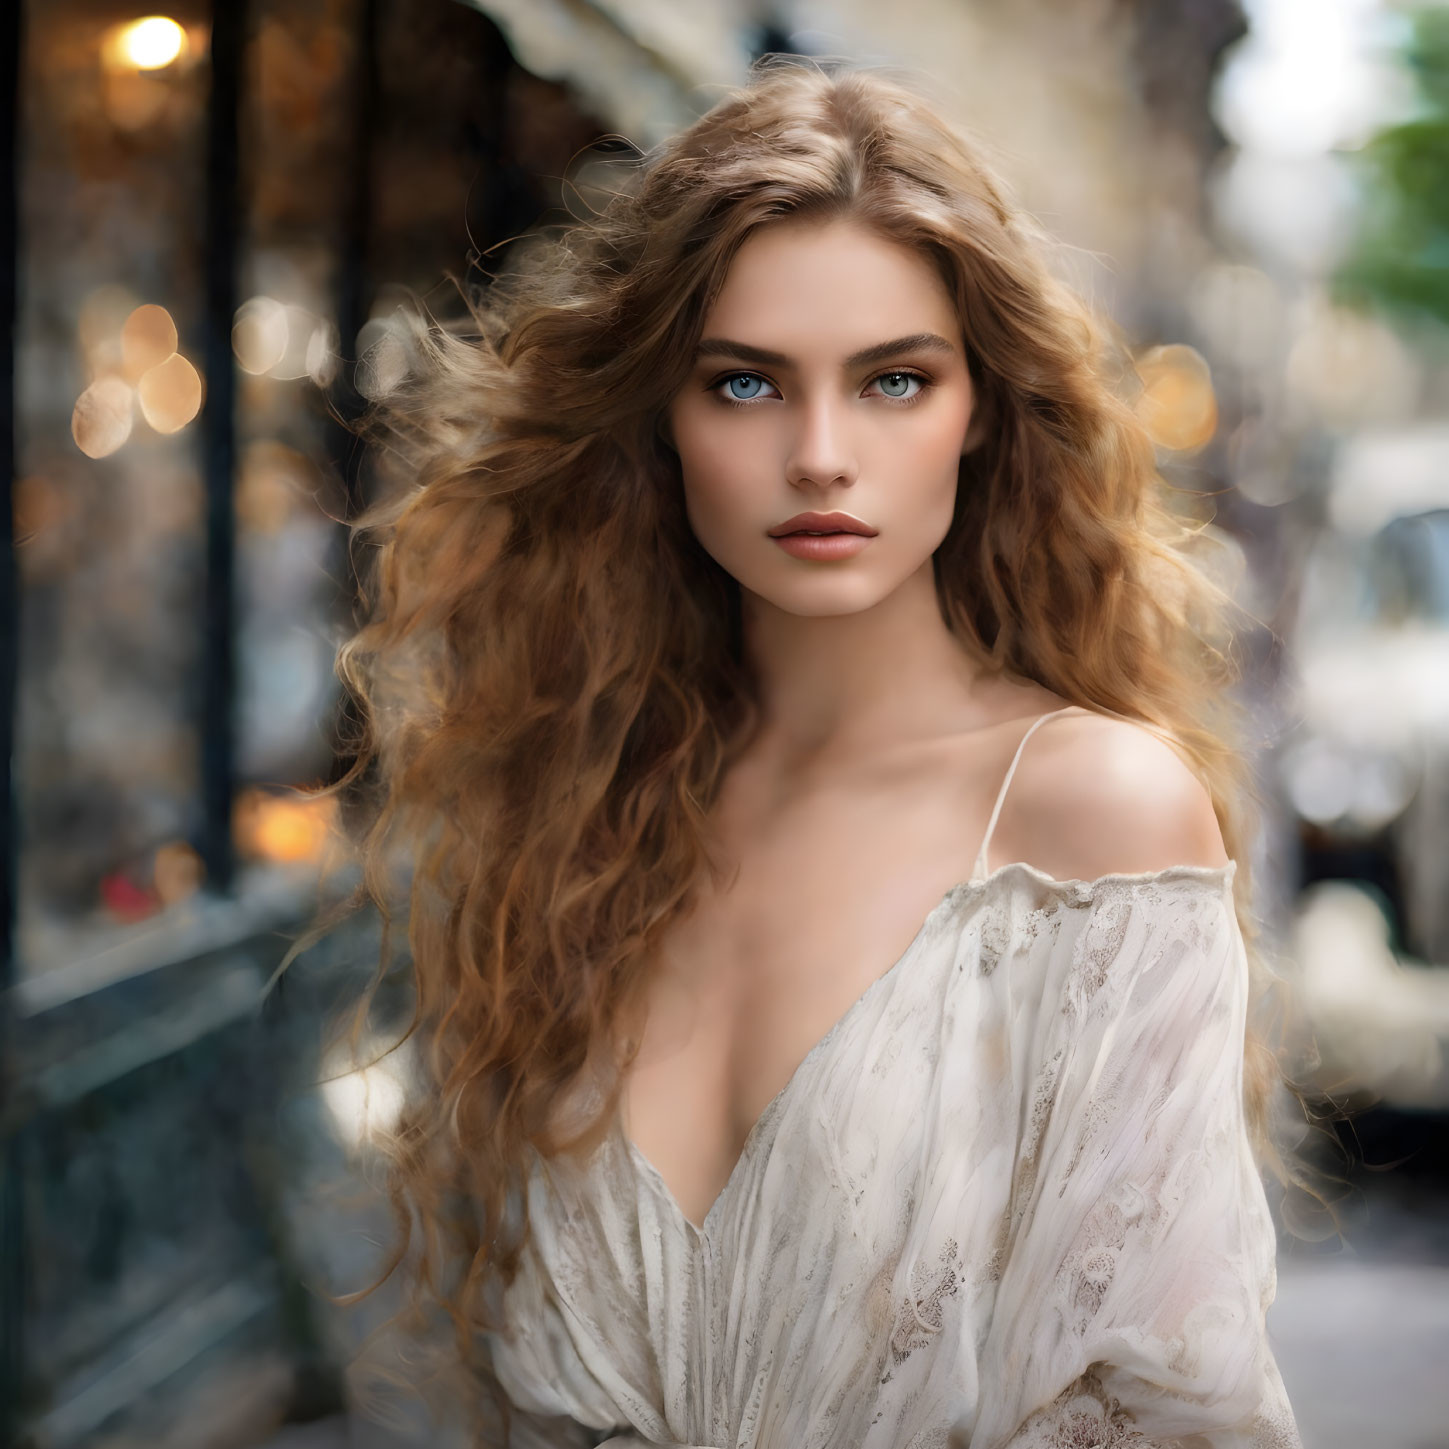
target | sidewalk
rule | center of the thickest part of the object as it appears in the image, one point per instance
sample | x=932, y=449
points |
x=1363, y=1347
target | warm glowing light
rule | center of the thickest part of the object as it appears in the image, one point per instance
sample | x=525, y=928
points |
x=177, y=872
x=147, y=338
x=101, y=421
x=273, y=827
x=152, y=43
x=170, y=394
x=259, y=335
x=1177, y=404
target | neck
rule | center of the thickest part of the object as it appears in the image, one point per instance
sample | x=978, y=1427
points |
x=845, y=684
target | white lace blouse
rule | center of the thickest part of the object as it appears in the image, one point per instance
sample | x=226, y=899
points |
x=1007, y=1200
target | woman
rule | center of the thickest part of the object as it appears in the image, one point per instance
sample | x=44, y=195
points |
x=784, y=594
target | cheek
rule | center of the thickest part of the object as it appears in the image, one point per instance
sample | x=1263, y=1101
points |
x=945, y=437
x=927, y=454
x=708, y=459
x=716, y=462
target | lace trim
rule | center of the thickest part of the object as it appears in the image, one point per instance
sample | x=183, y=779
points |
x=921, y=1312
x=1084, y=1416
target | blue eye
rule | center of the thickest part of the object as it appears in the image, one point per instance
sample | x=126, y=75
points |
x=747, y=387
x=898, y=384
x=744, y=386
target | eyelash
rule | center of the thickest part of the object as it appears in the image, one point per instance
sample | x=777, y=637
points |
x=900, y=402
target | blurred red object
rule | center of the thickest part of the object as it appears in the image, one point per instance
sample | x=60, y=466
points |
x=126, y=900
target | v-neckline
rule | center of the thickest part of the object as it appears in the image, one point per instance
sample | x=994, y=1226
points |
x=701, y=1230
x=953, y=896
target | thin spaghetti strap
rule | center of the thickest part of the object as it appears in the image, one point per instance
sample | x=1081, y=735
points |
x=979, y=870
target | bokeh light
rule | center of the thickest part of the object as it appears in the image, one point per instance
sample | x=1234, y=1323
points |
x=323, y=353
x=301, y=324
x=367, y=1100
x=1332, y=784
x=1306, y=77
x=147, y=338
x=178, y=872
x=281, y=829
x=170, y=394
x=151, y=43
x=1177, y=404
x=101, y=420
x=259, y=335
x=1262, y=463
x=382, y=359
x=1378, y=1017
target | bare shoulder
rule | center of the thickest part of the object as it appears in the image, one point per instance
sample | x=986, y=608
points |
x=1094, y=796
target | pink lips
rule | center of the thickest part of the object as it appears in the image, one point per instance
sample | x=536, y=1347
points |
x=822, y=536
x=823, y=547
x=822, y=523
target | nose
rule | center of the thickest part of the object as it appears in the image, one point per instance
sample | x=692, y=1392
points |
x=820, y=448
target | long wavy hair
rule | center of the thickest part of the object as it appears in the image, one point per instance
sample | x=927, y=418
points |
x=549, y=681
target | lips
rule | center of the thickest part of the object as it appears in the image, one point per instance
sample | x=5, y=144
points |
x=823, y=523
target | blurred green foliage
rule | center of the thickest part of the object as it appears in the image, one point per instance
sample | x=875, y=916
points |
x=1400, y=259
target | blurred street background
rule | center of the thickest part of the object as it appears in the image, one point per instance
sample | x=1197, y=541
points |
x=208, y=221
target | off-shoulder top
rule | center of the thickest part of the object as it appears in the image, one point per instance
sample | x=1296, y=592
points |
x=1009, y=1199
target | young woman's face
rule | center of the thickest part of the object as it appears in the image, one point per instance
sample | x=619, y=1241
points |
x=830, y=378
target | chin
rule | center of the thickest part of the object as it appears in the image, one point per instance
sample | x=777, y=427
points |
x=819, y=598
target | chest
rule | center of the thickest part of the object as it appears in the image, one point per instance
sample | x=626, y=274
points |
x=824, y=899
x=856, y=1230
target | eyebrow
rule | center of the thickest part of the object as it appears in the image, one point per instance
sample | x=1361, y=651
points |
x=877, y=352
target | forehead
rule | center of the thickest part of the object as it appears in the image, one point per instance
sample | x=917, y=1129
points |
x=828, y=282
